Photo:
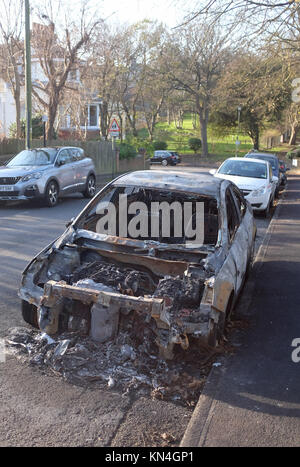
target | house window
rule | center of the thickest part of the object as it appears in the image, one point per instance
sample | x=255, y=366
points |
x=89, y=116
x=93, y=115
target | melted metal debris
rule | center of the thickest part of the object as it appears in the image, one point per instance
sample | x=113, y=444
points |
x=130, y=363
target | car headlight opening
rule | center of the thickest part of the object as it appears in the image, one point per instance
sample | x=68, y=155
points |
x=33, y=176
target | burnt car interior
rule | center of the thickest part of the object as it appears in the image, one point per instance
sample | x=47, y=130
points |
x=149, y=196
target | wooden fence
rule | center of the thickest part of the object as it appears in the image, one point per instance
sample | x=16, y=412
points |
x=106, y=160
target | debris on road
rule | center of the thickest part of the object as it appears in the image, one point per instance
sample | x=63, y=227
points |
x=129, y=363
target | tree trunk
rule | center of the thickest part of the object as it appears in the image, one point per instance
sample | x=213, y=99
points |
x=16, y=87
x=203, y=119
x=255, y=139
x=104, y=120
x=52, y=110
x=18, y=114
x=293, y=136
x=121, y=125
x=169, y=116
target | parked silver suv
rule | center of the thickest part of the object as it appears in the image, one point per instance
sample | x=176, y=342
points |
x=47, y=173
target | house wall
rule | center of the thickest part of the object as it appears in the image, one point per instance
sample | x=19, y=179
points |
x=8, y=108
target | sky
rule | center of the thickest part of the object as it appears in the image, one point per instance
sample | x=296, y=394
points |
x=170, y=12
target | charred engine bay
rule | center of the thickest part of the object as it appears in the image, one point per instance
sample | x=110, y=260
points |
x=183, y=292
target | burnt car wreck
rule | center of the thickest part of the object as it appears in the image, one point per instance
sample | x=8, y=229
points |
x=97, y=275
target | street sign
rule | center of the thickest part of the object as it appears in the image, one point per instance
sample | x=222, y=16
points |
x=114, y=129
x=44, y=118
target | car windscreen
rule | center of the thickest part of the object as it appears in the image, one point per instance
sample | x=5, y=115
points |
x=33, y=157
x=151, y=214
x=273, y=161
x=244, y=169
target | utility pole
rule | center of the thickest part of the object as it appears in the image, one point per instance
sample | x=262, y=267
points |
x=28, y=75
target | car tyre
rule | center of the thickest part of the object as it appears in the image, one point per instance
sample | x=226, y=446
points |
x=266, y=212
x=164, y=163
x=51, y=194
x=90, y=189
x=29, y=313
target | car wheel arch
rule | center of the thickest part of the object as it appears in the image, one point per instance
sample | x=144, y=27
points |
x=52, y=179
x=223, y=293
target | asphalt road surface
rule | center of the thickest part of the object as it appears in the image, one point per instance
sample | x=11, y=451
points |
x=39, y=410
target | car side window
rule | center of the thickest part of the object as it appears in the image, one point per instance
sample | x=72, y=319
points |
x=233, y=220
x=240, y=201
x=42, y=158
x=75, y=154
x=64, y=157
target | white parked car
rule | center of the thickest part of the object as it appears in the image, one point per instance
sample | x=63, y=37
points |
x=254, y=178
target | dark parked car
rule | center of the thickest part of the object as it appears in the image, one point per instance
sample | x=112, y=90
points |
x=273, y=159
x=176, y=155
x=47, y=173
x=165, y=158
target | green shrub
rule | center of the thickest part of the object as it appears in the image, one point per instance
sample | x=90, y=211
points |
x=160, y=145
x=293, y=154
x=127, y=151
x=195, y=144
x=37, y=128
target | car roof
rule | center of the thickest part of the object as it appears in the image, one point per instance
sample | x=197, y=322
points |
x=254, y=154
x=191, y=182
x=242, y=159
x=57, y=148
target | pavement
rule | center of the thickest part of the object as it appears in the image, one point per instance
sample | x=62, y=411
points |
x=253, y=397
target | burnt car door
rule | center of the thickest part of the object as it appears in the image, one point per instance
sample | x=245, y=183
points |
x=237, y=222
x=239, y=233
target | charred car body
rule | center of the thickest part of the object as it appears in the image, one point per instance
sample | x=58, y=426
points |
x=90, y=280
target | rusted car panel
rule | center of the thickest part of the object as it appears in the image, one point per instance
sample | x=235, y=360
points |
x=89, y=280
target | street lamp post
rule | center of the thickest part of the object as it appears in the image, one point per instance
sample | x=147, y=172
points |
x=28, y=75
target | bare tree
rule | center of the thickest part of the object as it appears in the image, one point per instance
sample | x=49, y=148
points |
x=103, y=72
x=154, y=89
x=58, y=52
x=194, y=62
x=130, y=80
x=264, y=11
x=11, y=51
